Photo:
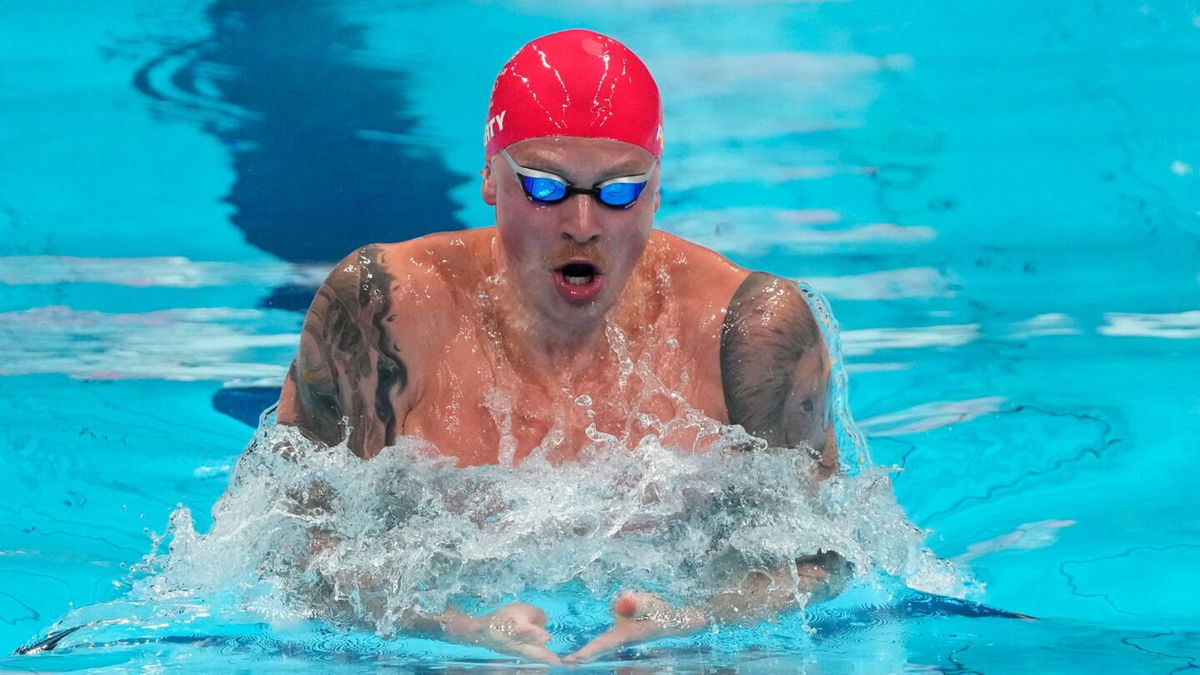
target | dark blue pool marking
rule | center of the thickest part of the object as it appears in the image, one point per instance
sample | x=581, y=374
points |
x=825, y=623
x=309, y=186
x=245, y=404
x=313, y=179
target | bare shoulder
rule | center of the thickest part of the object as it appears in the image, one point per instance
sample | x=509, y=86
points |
x=758, y=310
x=366, y=341
x=419, y=271
x=696, y=272
x=755, y=306
x=421, y=282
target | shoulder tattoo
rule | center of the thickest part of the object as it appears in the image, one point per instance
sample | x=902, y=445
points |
x=774, y=364
x=349, y=365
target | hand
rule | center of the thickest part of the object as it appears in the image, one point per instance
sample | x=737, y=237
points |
x=640, y=617
x=516, y=628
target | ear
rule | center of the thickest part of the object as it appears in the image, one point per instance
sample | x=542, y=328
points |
x=489, y=186
x=657, y=199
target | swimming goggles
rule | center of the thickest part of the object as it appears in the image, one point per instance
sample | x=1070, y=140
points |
x=546, y=188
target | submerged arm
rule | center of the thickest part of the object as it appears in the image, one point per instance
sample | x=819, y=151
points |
x=775, y=374
x=759, y=595
x=349, y=371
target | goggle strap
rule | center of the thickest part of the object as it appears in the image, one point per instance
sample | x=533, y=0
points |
x=534, y=173
x=526, y=171
x=640, y=178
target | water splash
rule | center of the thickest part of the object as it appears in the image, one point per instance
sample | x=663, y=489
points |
x=309, y=532
x=852, y=444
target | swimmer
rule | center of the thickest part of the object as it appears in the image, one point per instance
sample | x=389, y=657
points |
x=551, y=308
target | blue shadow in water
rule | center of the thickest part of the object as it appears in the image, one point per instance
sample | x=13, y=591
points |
x=320, y=140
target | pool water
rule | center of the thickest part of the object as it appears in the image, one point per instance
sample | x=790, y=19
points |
x=1001, y=202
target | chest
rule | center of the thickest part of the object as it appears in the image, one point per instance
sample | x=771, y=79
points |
x=476, y=407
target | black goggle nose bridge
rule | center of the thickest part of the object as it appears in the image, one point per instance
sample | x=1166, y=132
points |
x=572, y=190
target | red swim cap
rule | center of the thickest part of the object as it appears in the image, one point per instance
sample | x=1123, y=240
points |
x=574, y=83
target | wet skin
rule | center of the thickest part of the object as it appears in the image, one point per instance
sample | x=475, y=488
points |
x=409, y=339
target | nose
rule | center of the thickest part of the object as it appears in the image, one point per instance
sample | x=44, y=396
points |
x=582, y=222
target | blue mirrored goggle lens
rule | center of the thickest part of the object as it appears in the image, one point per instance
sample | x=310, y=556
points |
x=544, y=189
x=621, y=194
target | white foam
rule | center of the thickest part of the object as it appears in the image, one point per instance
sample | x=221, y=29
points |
x=870, y=340
x=911, y=282
x=756, y=230
x=1177, y=326
x=408, y=530
x=169, y=271
x=309, y=531
x=1052, y=323
x=217, y=343
x=932, y=415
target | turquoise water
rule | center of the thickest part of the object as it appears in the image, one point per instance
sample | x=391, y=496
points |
x=1001, y=201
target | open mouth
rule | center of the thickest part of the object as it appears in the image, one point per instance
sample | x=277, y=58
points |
x=578, y=281
x=578, y=274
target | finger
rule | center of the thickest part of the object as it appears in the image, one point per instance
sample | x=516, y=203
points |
x=538, y=617
x=533, y=634
x=641, y=605
x=537, y=653
x=626, y=606
x=606, y=642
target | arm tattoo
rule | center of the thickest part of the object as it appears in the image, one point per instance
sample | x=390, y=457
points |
x=774, y=365
x=349, y=365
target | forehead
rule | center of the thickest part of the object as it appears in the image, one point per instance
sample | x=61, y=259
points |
x=581, y=157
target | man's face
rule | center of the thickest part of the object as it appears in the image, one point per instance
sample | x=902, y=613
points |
x=573, y=258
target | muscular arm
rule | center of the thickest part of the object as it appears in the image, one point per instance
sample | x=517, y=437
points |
x=349, y=364
x=775, y=368
x=775, y=375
